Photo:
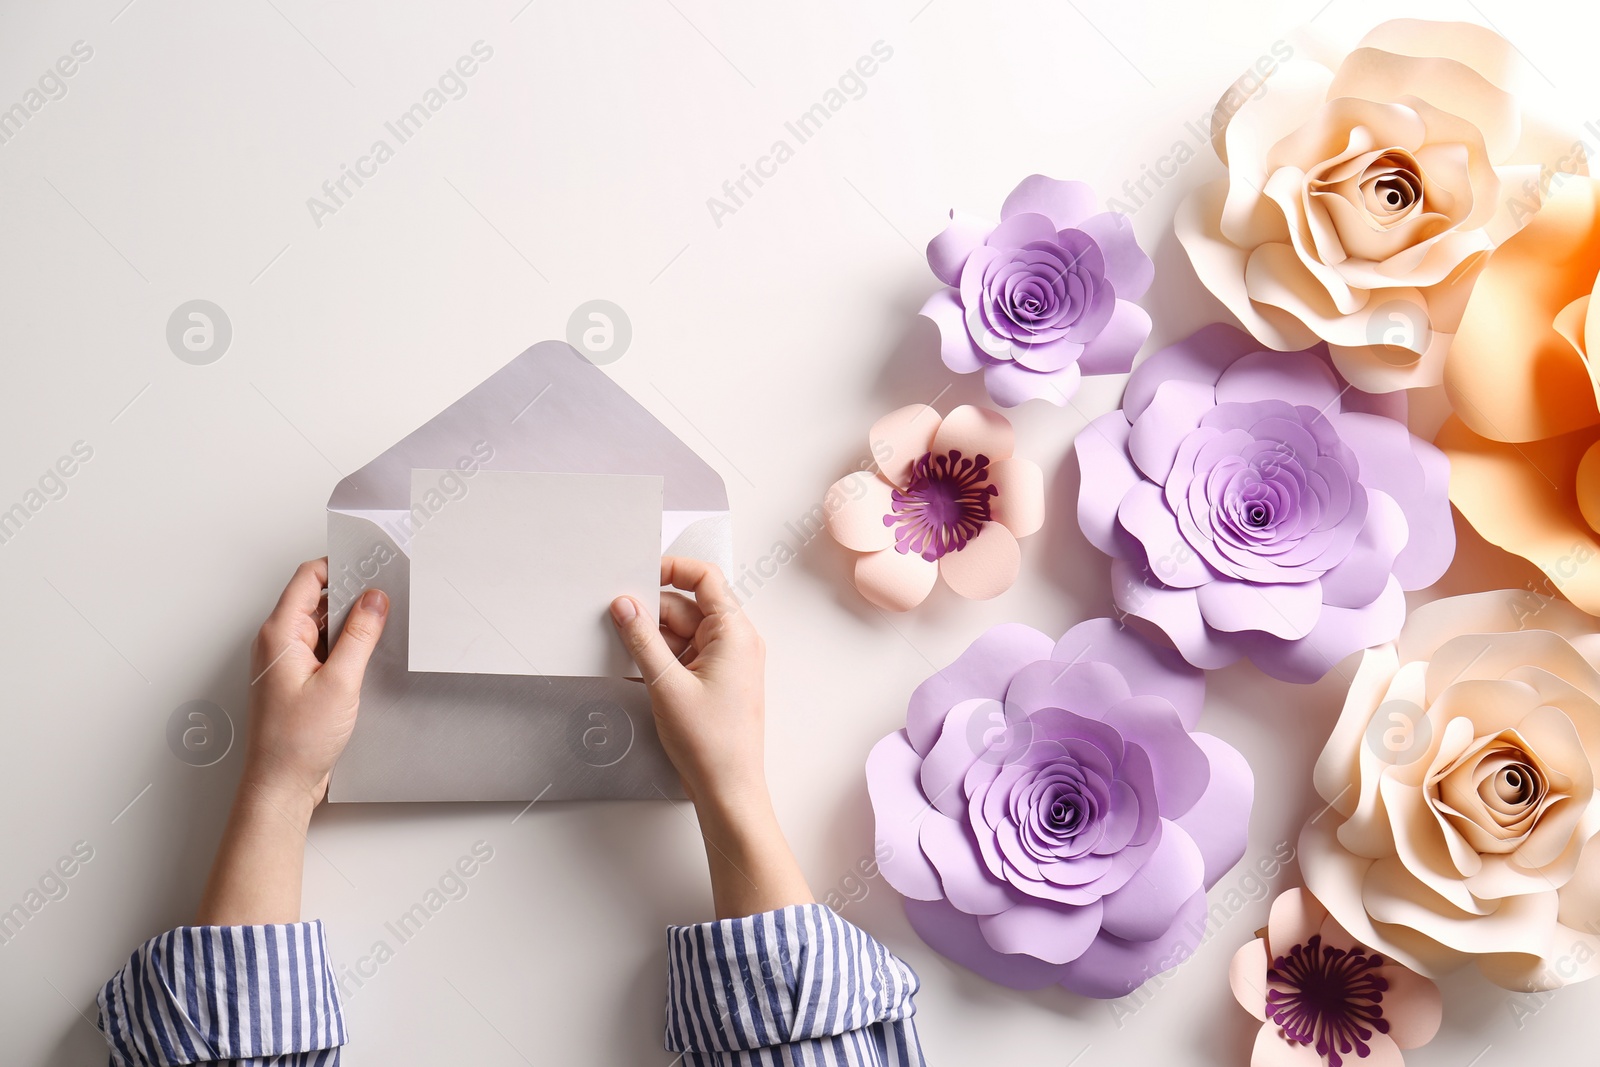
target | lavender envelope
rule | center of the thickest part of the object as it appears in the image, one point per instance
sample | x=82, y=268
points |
x=433, y=737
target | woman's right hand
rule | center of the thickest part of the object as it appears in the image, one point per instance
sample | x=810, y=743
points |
x=703, y=666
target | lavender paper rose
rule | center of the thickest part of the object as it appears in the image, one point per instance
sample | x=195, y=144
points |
x=1043, y=298
x=1050, y=817
x=1256, y=507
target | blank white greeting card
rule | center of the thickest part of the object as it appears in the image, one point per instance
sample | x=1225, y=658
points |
x=514, y=572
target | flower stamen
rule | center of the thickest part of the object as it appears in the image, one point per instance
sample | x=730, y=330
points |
x=1328, y=997
x=943, y=506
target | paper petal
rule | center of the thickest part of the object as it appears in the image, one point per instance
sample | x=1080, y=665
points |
x=986, y=567
x=949, y=847
x=898, y=804
x=1147, y=669
x=984, y=669
x=1247, y=977
x=948, y=252
x=955, y=343
x=1064, y=203
x=1053, y=934
x=1413, y=1006
x=1019, y=507
x=1143, y=909
x=1127, y=265
x=954, y=934
x=1119, y=341
x=900, y=438
x=894, y=580
x=1219, y=822
x=855, y=506
x=1112, y=967
x=975, y=431
x=1010, y=384
x=1106, y=477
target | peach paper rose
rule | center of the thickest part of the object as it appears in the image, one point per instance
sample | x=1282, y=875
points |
x=1363, y=191
x=1524, y=444
x=1460, y=781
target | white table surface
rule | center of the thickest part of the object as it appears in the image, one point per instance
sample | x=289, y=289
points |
x=576, y=166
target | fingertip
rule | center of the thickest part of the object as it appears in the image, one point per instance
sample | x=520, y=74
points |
x=624, y=610
x=374, y=602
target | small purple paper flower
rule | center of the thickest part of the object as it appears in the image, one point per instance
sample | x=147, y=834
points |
x=1256, y=507
x=1050, y=817
x=1043, y=298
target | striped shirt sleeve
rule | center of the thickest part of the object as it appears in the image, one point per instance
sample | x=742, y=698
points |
x=251, y=995
x=795, y=986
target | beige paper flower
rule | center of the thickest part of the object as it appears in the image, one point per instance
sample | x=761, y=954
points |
x=1524, y=444
x=948, y=500
x=1460, y=782
x=1324, y=999
x=1363, y=192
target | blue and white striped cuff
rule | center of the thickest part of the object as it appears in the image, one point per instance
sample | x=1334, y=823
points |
x=204, y=993
x=797, y=975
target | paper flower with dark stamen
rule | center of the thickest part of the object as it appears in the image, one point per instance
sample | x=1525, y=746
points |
x=1255, y=506
x=947, y=499
x=1051, y=816
x=1324, y=998
x=1043, y=298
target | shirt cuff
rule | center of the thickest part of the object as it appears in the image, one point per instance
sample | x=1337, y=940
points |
x=781, y=977
x=203, y=993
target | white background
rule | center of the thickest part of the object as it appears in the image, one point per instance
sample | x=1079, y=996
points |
x=577, y=166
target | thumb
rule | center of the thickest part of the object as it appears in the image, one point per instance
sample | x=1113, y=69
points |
x=347, y=660
x=643, y=640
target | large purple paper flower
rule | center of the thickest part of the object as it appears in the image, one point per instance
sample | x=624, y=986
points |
x=1048, y=814
x=1256, y=507
x=1043, y=298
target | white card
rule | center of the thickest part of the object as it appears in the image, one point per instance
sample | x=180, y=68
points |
x=514, y=572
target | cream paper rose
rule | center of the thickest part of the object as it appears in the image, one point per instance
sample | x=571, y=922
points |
x=1460, y=782
x=1364, y=190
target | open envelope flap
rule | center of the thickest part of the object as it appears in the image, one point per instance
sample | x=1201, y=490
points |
x=547, y=410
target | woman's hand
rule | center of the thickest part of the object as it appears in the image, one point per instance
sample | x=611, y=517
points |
x=302, y=711
x=703, y=666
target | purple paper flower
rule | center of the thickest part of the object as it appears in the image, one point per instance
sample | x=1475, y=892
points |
x=1256, y=507
x=1043, y=298
x=1048, y=814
